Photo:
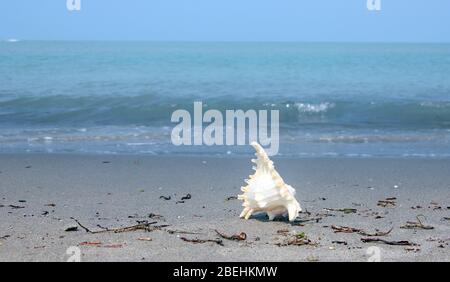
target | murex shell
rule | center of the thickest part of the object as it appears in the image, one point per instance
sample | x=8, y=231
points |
x=266, y=190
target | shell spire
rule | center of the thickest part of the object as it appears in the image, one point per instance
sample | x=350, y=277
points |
x=266, y=191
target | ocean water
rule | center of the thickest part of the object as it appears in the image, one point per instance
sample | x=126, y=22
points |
x=335, y=99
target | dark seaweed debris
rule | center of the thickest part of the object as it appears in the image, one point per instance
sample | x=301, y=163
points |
x=187, y=197
x=236, y=237
x=344, y=210
x=346, y=229
x=392, y=243
x=416, y=225
x=388, y=202
x=201, y=241
x=142, y=225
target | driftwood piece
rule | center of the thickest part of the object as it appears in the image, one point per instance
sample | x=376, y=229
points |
x=392, y=243
x=346, y=229
x=416, y=225
x=201, y=241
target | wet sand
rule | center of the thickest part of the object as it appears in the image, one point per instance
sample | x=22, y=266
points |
x=42, y=195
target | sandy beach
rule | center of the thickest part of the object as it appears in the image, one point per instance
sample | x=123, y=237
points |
x=174, y=200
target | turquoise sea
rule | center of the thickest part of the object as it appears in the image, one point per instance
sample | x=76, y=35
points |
x=335, y=99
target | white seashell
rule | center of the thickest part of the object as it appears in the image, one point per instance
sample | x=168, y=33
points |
x=266, y=190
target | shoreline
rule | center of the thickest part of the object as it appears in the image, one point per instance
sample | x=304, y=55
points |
x=41, y=193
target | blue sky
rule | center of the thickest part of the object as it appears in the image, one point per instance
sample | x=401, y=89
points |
x=227, y=20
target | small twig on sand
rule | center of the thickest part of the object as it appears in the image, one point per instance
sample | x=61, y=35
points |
x=16, y=207
x=387, y=202
x=201, y=241
x=237, y=237
x=340, y=242
x=416, y=225
x=182, y=232
x=344, y=210
x=392, y=243
x=231, y=198
x=377, y=233
x=345, y=229
x=81, y=225
x=141, y=226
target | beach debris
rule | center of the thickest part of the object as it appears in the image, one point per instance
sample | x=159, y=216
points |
x=435, y=206
x=113, y=246
x=446, y=218
x=388, y=202
x=147, y=239
x=266, y=191
x=299, y=239
x=231, y=198
x=283, y=231
x=414, y=249
x=236, y=237
x=187, y=197
x=90, y=243
x=100, y=244
x=311, y=218
x=5, y=237
x=312, y=258
x=167, y=198
x=22, y=201
x=50, y=205
x=44, y=213
x=146, y=226
x=106, y=162
x=376, y=234
x=345, y=229
x=201, y=241
x=71, y=229
x=392, y=243
x=344, y=210
x=416, y=225
x=172, y=231
x=340, y=242
x=142, y=225
x=179, y=202
x=301, y=222
x=16, y=207
x=155, y=216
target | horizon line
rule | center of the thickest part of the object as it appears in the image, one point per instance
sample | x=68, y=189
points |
x=16, y=40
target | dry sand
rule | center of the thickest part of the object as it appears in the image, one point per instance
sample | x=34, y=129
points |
x=39, y=194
